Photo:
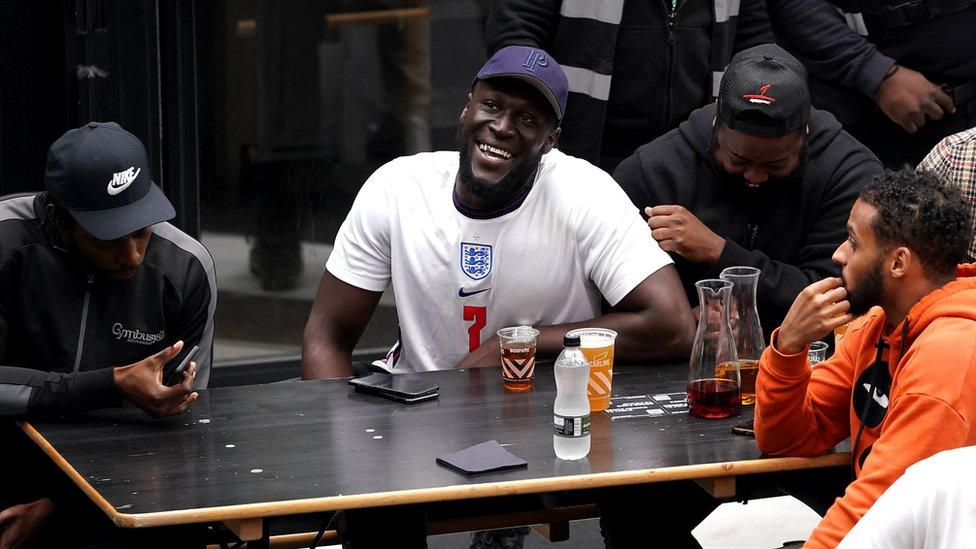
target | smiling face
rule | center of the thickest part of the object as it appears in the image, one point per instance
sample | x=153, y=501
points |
x=756, y=159
x=861, y=260
x=504, y=130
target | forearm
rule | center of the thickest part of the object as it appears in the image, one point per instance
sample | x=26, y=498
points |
x=322, y=359
x=797, y=415
x=828, y=46
x=337, y=320
x=27, y=392
x=640, y=336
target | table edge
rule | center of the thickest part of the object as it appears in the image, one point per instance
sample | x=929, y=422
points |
x=428, y=495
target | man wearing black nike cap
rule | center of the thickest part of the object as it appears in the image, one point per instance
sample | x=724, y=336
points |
x=99, y=296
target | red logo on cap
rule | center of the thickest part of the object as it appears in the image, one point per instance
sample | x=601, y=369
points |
x=760, y=98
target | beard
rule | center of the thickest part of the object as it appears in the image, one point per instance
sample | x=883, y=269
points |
x=496, y=193
x=867, y=293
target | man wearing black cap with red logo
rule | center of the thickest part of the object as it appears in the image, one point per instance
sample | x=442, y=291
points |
x=758, y=179
x=99, y=297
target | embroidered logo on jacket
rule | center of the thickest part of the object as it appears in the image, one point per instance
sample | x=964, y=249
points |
x=136, y=336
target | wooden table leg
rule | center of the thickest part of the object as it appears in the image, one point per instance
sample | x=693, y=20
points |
x=246, y=529
x=718, y=487
x=554, y=531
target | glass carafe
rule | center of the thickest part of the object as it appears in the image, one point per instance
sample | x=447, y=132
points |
x=709, y=395
x=746, y=329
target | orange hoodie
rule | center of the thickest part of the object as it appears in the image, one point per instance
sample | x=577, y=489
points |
x=919, y=399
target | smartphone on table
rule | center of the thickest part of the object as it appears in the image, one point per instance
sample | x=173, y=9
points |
x=400, y=387
x=177, y=375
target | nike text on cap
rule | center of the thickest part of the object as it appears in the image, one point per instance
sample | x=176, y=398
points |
x=100, y=174
x=764, y=92
x=532, y=65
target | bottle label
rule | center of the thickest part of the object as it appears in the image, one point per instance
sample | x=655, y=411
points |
x=571, y=426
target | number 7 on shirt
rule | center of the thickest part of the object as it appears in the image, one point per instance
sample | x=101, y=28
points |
x=480, y=317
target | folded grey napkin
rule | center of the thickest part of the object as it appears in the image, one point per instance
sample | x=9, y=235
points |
x=486, y=457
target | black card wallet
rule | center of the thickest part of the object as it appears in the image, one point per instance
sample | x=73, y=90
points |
x=487, y=457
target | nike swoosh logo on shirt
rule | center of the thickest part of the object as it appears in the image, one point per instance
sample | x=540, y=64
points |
x=462, y=293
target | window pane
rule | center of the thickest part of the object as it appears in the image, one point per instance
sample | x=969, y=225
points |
x=300, y=102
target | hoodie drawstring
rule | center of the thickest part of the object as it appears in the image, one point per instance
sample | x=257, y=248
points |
x=904, y=339
x=881, y=346
x=878, y=362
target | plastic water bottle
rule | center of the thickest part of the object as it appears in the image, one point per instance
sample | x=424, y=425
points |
x=571, y=411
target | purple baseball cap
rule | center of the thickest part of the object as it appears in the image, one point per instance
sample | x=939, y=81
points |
x=532, y=65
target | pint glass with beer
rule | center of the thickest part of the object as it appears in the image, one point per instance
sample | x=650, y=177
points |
x=597, y=346
x=518, y=345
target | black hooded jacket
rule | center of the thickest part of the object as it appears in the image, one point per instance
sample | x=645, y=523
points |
x=788, y=228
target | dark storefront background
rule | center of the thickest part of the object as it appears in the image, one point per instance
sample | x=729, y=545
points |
x=262, y=119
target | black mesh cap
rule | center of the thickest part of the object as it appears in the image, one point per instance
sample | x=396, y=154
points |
x=764, y=92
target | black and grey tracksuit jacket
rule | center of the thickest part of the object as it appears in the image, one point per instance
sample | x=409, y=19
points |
x=63, y=327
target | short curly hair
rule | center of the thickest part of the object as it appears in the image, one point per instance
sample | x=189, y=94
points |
x=918, y=210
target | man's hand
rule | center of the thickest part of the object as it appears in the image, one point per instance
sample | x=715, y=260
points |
x=820, y=307
x=907, y=98
x=142, y=383
x=488, y=354
x=21, y=524
x=678, y=230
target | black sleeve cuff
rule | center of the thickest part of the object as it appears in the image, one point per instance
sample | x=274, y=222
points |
x=96, y=389
x=733, y=255
x=876, y=69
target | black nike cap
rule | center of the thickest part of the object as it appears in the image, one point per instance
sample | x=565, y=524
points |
x=100, y=173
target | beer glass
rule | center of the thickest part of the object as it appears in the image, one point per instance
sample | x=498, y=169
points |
x=597, y=346
x=518, y=345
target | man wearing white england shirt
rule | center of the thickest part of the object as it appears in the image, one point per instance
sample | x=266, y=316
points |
x=506, y=231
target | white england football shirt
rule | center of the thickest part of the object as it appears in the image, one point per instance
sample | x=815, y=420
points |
x=457, y=280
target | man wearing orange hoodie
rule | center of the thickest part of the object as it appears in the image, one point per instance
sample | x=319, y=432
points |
x=900, y=383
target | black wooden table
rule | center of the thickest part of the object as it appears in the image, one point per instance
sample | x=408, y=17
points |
x=242, y=454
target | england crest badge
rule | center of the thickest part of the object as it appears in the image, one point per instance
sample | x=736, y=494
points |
x=476, y=260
